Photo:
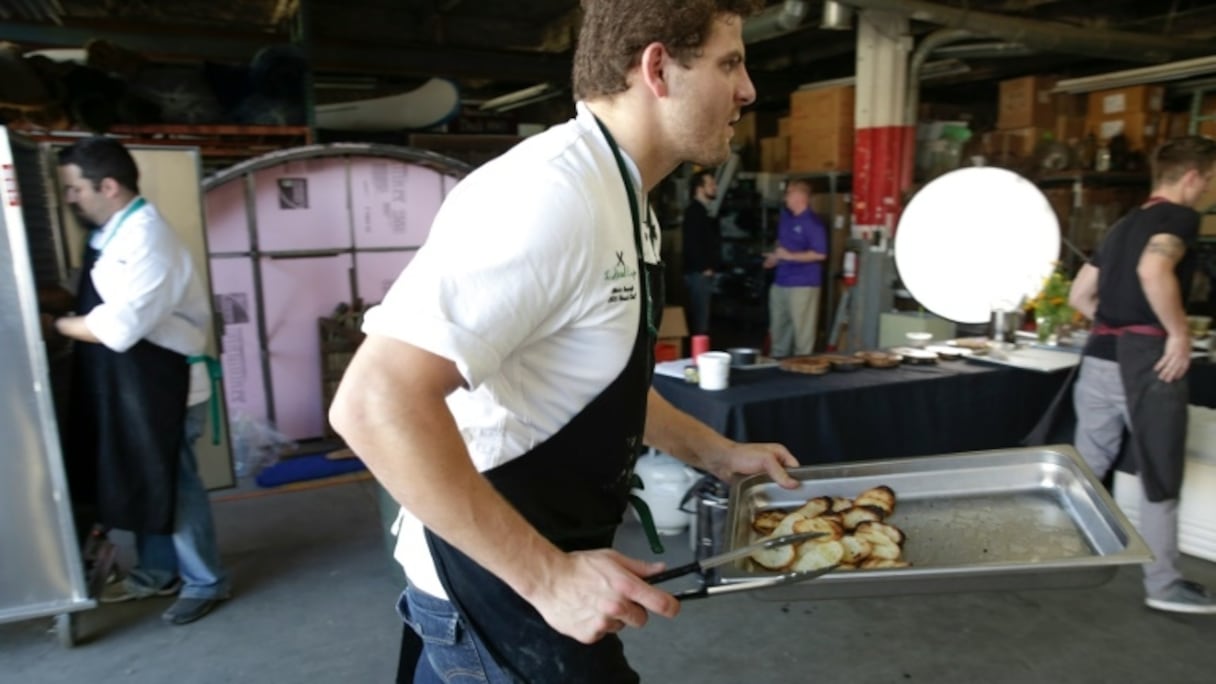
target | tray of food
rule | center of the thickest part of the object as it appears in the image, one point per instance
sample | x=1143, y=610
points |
x=1013, y=519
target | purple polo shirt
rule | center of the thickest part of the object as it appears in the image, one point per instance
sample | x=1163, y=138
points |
x=800, y=233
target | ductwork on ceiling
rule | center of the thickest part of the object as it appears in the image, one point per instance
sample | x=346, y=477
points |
x=32, y=10
x=775, y=21
x=1044, y=36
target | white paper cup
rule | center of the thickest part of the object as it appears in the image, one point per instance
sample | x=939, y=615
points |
x=714, y=369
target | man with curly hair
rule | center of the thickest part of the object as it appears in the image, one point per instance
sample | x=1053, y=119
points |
x=503, y=392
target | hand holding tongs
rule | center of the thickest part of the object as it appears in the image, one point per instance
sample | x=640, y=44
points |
x=742, y=552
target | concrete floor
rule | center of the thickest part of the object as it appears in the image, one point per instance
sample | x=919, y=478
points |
x=315, y=590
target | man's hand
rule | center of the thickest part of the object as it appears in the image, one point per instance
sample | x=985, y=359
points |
x=738, y=459
x=1176, y=359
x=591, y=594
x=782, y=253
x=770, y=260
x=708, y=273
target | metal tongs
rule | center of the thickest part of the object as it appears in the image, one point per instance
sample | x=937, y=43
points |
x=743, y=552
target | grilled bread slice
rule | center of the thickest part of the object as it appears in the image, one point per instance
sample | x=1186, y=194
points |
x=830, y=529
x=859, y=514
x=840, y=503
x=778, y=558
x=766, y=521
x=816, y=554
x=881, y=497
x=817, y=506
x=871, y=563
x=856, y=550
x=871, y=530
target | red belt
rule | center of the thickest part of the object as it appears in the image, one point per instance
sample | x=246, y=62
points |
x=1149, y=330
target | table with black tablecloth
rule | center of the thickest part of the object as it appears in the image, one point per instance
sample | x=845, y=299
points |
x=1202, y=380
x=887, y=413
x=874, y=413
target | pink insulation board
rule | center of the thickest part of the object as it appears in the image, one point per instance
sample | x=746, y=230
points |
x=324, y=203
x=302, y=205
x=396, y=203
x=236, y=302
x=227, y=218
x=296, y=293
x=378, y=271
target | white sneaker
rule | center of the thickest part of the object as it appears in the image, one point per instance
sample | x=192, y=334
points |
x=1183, y=597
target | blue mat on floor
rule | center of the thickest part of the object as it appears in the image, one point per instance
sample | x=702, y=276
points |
x=302, y=468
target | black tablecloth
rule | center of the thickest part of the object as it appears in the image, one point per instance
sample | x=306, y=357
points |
x=1202, y=379
x=872, y=413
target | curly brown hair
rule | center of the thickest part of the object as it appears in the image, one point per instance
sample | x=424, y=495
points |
x=614, y=33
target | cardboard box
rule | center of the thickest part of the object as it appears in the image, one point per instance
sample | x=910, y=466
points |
x=1208, y=108
x=783, y=127
x=1143, y=131
x=821, y=150
x=1068, y=127
x=1139, y=99
x=753, y=126
x=1026, y=102
x=1207, y=227
x=1017, y=143
x=673, y=329
x=825, y=107
x=775, y=154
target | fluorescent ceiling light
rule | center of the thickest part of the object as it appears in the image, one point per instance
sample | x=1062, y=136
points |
x=519, y=98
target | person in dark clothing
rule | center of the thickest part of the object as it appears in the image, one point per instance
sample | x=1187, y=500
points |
x=702, y=250
x=1134, y=367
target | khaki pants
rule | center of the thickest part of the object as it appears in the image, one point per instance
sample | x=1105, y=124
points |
x=793, y=314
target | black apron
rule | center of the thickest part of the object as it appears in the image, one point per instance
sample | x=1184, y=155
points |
x=573, y=489
x=1157, y=412
x=127, y=412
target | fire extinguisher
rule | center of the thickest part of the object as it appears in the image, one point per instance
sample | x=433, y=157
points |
x=850, y=267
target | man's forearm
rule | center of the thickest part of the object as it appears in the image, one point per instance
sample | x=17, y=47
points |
x=75, y=328
x=411, y=443
x=671, y=430
x=1165, y=298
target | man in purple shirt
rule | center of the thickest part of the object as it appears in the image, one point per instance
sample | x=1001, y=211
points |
x=793, y=301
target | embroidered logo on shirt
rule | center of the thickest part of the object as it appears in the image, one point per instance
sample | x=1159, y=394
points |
x=619, y=271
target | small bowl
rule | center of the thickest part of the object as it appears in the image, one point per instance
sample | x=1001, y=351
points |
x=919, y=339
x=743, y=356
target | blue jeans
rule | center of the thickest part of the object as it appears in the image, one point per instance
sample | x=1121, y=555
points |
x=191, y=551
x=451, y=654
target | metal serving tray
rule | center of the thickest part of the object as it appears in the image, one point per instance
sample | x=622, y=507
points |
x=1011, y=519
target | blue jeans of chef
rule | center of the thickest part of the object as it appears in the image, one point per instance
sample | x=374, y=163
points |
x=191, y=551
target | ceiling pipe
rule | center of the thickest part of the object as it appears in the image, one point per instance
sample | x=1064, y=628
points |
x=917, y=61
x=1045, y=36
x=836, y=17
x=985, y=50
x=775, y=21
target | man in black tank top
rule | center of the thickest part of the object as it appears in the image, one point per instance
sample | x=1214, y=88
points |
x=1134, y=368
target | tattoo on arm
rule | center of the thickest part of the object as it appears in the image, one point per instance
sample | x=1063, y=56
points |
x=1166, y=245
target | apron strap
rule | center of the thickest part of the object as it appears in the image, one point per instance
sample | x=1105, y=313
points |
x=215, y=372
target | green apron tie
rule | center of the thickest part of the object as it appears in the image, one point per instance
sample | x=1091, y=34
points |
x=215, y=372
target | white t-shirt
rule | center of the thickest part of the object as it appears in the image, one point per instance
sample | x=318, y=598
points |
x=528, y=282
x=149, y=290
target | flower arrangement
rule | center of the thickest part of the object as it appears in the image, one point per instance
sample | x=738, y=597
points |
x=1051, y=309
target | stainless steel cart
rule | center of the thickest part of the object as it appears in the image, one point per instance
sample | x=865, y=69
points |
x=41, y=573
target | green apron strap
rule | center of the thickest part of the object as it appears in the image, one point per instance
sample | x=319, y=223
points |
x=214, y=371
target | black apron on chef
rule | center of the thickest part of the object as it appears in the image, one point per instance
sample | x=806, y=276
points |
x=1157, y=412
x=573, y=489
x=125, y=431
